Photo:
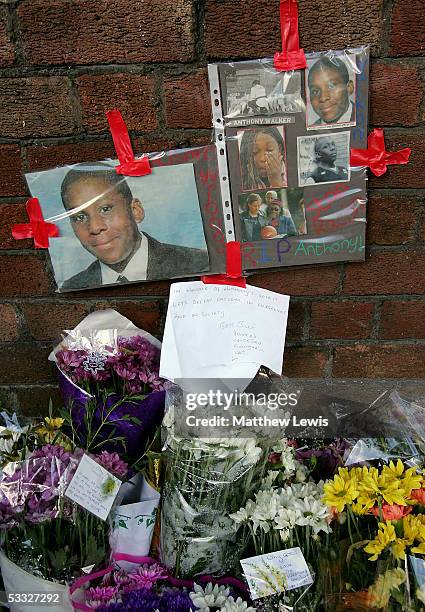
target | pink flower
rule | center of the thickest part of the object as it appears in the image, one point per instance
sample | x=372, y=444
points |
x=112, y=463
x=392, y=512
x=418, y=495
x=145, y=576
x=98, y=596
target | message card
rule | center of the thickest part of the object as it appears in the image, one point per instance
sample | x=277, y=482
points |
x=93, y=488
x=228, y=328
x=276, y=572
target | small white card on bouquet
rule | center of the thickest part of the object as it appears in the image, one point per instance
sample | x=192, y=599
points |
x=276, y=572
x=93, y=488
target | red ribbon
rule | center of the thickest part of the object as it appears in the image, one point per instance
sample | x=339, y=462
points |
x=37, y=228
x=291, y=57
x=128, y=164
x=233, y=274
x=376, y=157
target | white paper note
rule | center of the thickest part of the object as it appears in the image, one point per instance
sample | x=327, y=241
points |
x=276, y=572
x=93, y=488
x=221, y=331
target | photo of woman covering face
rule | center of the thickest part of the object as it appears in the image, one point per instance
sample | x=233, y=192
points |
x=262, y=156
x=331, y=92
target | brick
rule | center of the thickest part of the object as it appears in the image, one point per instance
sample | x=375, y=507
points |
x=47, y=321
x=9, y=215
x=304, y=362
x=8, y=323
x=133, y=94
x=173, y=142
x=36, y=106
x=25, y=362
x=250, y=28
x=8, y=399
x=396, y=92
x=22, y=275
x=296, y=316
x=407, y=31
x=406, y=176
x=145, y=315
x=321, y=280
x=151, y=289
x=7, y=51
x=12, y=180
x=392, y=219
x=34, y=401
x=386, y=361
x=44, y=157
x=187, y=100
x=405, y=319
x=350, y=320
x=89, y=32
x=387, y=273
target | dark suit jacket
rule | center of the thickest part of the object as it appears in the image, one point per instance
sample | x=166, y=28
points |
x=164, y=261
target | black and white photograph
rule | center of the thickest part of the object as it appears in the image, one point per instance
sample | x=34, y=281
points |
x=116, y=229
x=265, y=215
x=262, y=157
x=331, y=91
x=323, y=158
x=263, y=91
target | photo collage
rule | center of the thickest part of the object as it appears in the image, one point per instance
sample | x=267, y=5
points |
x=288, y=137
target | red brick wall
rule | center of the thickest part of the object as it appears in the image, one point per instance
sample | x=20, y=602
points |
x=63, y=62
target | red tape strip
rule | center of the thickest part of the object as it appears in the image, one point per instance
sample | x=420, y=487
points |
x=37, y=228
x=291, y=57
x=129, y=166
x=376, y=157
x=233, y=274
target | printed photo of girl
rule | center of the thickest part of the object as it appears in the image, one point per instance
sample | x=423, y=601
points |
x=262, y=155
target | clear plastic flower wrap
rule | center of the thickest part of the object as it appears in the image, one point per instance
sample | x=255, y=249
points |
x=206, y=480
x=108, y=373
x=44, y=532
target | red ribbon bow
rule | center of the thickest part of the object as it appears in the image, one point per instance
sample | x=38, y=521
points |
x=233, y=274
x=129, y=166
x=375, y=156
x=291, y=57
x=37, y=228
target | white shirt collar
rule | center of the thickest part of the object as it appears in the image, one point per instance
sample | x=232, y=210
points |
x=346, y=117
x=135, y=270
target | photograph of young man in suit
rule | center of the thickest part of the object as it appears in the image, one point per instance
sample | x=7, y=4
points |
x=106, y=221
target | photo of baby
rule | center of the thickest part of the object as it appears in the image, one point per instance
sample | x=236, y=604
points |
x=331, y=92
x=272, y=214
x=323, y=159
x=262, y=157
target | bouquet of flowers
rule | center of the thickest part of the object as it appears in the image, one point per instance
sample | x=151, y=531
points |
x=44, y=533
x=380, y=526
x=149, y=587
x=109, y=377
x=205, y=481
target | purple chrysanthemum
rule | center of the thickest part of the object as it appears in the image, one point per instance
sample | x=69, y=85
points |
x=145, y=576
x=112, y=463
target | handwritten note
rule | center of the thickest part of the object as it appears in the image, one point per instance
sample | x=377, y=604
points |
x=222, y=331
x=93, y=488
x=276, y=572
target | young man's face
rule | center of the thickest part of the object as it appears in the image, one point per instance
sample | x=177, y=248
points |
x=326, y=150
x=108, y=227
x=329, y=95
